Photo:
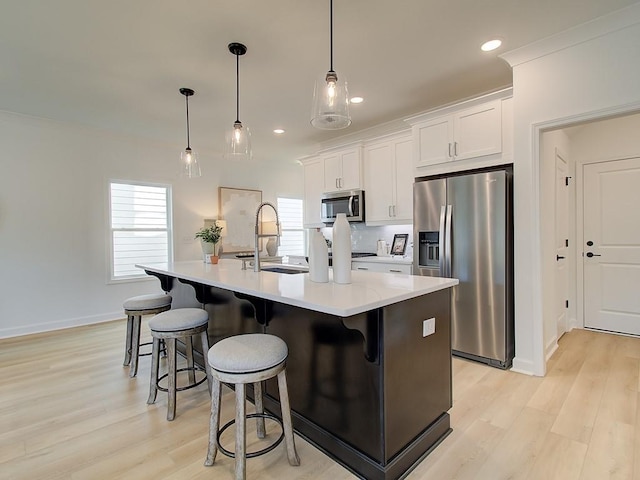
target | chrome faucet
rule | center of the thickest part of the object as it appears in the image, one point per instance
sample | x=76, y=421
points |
x=256, y=254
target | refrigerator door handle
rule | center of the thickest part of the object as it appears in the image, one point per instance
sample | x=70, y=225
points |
x=447, y=242
x=441, y=247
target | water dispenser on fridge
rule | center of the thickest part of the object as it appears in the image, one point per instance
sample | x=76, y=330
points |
x=429, y=253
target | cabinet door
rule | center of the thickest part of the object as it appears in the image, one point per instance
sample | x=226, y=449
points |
x=313, y=189
x=433, y=141
x=403, y=191
x=478, y=131
x=332, y=172
x=378, y=182
x=351, y=177
x=382, y=267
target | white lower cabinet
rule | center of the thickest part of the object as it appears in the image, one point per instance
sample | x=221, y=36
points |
x=383, y=267
x=388, y=181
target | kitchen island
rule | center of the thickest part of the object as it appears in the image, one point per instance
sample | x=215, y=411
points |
x=369, y=364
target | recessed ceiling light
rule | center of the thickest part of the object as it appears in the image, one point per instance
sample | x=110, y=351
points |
x=491, y=45
x=357, y=100
x=278, y=131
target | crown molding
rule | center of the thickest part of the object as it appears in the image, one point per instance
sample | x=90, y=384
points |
x=598, y=27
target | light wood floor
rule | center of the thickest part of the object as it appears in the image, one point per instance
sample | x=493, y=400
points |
x=68, y=410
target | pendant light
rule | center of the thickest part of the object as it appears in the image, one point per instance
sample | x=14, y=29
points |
x=189, y=166
x=330, y=96
x=239, y=139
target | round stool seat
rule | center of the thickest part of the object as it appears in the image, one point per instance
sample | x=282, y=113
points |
x=148, y=302
x=247, y=353
x=179, y=319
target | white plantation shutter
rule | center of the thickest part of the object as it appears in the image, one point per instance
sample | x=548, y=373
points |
x=140, y=227
x=290, y=214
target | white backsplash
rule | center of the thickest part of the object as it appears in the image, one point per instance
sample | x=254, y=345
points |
x=365, y=239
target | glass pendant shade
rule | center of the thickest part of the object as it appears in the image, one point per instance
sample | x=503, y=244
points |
x=239, y=142
x=189, y=166
x=330, y=109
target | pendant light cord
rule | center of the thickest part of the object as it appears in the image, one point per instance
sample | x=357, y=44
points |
x=186, y=98
x=237, y=88
x=331, y=31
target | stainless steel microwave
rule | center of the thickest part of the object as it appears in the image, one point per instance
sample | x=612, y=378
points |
x=351, y=203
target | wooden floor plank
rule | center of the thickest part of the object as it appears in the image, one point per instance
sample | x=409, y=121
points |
x=68, y=410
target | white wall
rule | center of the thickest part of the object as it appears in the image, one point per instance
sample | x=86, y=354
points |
x=585, y=73
x=54, y=216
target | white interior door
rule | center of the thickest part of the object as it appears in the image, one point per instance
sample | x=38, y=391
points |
x=562, y=244
x=612, y=246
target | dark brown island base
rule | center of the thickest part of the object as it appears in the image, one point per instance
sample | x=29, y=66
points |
x=368, y=383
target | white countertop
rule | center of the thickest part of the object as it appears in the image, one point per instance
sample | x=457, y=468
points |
x=367, y=290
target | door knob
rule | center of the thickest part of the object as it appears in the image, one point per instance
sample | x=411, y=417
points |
x=558, y=257
x=591, y=254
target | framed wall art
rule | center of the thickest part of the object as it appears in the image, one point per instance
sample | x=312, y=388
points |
x=237, y=207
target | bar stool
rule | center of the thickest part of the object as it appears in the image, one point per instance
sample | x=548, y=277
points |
x=135, y=308
x=180, y=323
x=238, y=360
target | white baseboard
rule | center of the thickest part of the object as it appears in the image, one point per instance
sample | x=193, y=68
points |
x=522, y=366
x=58, y=325
x=550, y=349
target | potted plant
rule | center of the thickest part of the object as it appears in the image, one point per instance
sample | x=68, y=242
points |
x=209, y=240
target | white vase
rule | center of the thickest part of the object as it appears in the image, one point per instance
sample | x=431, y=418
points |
x=341, y=247
x=208, y=247
x=272, y=247
x=318, y=258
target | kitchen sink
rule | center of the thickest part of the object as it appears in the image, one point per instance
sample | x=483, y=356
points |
x=283, y=270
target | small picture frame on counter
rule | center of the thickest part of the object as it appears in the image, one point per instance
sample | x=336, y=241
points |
x=399, y=244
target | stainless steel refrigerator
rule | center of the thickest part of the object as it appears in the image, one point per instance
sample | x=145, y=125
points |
x=463, y=228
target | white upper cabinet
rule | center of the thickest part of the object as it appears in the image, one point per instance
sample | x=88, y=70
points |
x=343, y=169
x=471, y=134
x=313, y=189
x=388, y=181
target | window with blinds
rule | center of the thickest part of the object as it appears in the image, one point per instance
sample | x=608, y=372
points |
x=290, y=214
x=140, y=227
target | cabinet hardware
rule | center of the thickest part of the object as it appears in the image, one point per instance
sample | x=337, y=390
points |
x=455, y=149
x=363, y=268
x=450, y=150
x=558, y=257
x=591, y=254
x=395, y=271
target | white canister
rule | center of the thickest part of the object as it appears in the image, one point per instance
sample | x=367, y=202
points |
x=318, y=258
x=341, y=250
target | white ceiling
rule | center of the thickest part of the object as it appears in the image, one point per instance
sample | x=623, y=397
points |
x=118, y=64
